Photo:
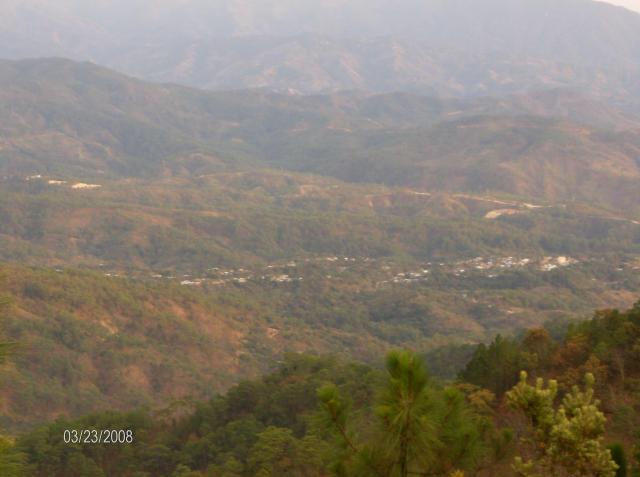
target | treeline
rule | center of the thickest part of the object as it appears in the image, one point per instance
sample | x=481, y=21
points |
x=608, y=346
x=535, y=405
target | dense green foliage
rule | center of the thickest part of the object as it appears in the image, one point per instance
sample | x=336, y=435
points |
x=277, y=426
x=605, y=347
x=566, y=441
x=325, y=416
x=260, y=426
x=417, y=429
x=495, y=367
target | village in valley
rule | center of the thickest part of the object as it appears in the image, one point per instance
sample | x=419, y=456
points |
x=384, y=271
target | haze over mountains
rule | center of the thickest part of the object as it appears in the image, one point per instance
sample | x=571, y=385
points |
x=193, y=190
x=528, y=102
x=451, y=48
x=190, y=189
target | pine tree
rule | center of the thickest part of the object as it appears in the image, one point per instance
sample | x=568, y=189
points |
x=567, y=441
x=495, y=367
x=418, y=430
x=404, y=412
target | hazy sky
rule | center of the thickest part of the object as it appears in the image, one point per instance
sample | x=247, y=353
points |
x=632, y=4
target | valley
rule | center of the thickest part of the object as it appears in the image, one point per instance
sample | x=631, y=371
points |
x=333, y=238
x=258, y=263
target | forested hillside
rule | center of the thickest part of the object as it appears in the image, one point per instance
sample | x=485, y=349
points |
x=370, y=244
x=89, y=342
x=314, y=416
x=105, y=339
x=77, y=121
x=242, y=219
x=254, y=263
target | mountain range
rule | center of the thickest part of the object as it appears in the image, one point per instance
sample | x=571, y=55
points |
x=189, y=189
x=453, y=48
x=76, y=119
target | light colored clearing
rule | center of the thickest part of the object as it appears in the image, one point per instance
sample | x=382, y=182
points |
x=110, y=327
x=552, y=263
x=617, y=219
x=83, y=186
x=494, y=214
x=54, y=182
x=310, y=189
x=486, y=199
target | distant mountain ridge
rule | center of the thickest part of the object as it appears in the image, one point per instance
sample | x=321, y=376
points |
x=449, y=48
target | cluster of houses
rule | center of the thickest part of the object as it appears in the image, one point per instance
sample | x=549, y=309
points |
x=217, y=276
x=551, y=263
x=410, y=277
x=505, y=263
x=293, y=271
x=274, y=273
x=481, y=264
